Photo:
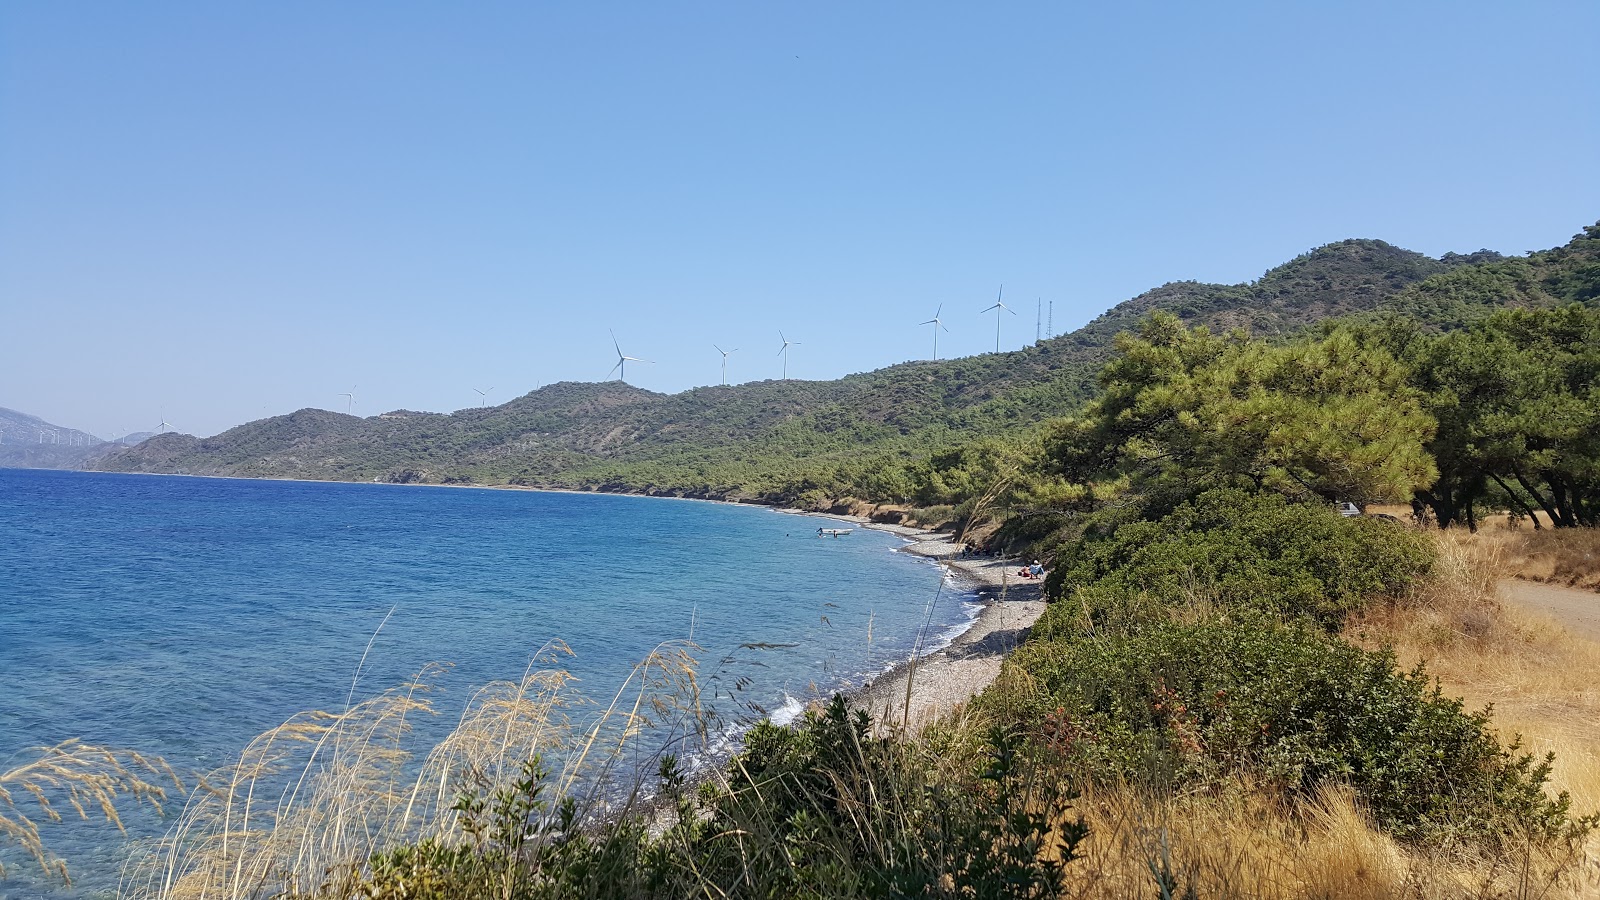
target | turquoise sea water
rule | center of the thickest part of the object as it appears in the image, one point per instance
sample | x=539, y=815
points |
x=184, y=616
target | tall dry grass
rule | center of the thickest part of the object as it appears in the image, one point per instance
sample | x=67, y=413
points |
x=1244, y=842
x=84, y=777
x=312, y=800
x=1542, y=680
x=1565, y=556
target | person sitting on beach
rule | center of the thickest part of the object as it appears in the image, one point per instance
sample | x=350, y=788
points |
x=1036, y=570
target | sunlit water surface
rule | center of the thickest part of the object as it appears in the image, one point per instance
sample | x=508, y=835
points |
x=184, y=616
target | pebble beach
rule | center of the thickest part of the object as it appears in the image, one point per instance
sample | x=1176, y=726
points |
x=942, y=681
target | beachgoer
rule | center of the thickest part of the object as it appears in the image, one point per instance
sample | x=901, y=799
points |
x=1036, y=569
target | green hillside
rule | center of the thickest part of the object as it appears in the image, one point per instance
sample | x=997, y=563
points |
x=783, y=440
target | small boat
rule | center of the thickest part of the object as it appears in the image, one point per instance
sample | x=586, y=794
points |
x=833, y=532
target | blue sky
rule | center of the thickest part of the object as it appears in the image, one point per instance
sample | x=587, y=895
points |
x=214, y=212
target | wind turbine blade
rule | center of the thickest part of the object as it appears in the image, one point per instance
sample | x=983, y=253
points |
x=929, y=322
x=614, y=342
x=942, y=325
x=615, y=368
x=720, y=350
x=938, y=311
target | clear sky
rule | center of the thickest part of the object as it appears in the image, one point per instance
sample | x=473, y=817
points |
x=213, y=212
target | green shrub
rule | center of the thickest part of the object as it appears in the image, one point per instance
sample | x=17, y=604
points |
x=1241, y=551
x=829, y=810
x=1183, y=704
x=822, y=810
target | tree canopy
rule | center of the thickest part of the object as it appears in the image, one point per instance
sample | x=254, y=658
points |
x=1330, y=417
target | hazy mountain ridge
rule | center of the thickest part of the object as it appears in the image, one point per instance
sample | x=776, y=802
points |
x=29, y=442
x=763, y=439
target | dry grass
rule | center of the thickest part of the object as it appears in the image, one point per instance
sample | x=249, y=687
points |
x=313, y=799
x=1542, y=680
x=1243, y=842
x=84, y=777
x=1565, y=556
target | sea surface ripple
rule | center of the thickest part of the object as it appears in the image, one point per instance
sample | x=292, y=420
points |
x=183, y=616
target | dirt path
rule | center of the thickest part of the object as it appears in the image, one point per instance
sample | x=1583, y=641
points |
x=1577, y=610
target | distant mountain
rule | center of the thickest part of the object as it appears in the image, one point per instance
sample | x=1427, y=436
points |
x=29, y=442
x=776, y=440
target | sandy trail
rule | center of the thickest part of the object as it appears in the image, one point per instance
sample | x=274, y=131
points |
x=1576, y=609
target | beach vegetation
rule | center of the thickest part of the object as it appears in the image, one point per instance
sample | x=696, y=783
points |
x=1184, y=705
x=1237, y=550
x=81, y=777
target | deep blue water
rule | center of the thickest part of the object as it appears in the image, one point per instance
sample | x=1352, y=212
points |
x=184, y=616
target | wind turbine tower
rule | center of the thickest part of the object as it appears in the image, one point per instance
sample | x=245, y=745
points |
x=349, y=399
x=621, y=368
x=725, y=354
x=1038, y=320
x=937, y=324
x=997, y=307
x=784, y=352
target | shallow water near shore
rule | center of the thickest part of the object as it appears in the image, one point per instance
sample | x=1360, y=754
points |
x=184, y=616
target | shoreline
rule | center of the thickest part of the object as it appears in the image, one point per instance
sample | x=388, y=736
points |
x=920, y=690
x=938, y=682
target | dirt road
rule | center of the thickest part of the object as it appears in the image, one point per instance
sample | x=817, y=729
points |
x=1577, y=610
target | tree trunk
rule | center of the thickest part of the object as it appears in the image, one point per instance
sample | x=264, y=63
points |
x=1555, y=520
x=1444, y=510
x=1526, y=510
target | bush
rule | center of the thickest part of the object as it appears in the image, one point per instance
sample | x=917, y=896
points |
x=829, y=810
x=822, y=810
x=1175, y=703
x=1240, y=551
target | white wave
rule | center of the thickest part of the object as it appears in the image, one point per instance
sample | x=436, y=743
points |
x=788, y=711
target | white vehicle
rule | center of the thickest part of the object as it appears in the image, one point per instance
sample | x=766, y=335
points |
x=1349, y=510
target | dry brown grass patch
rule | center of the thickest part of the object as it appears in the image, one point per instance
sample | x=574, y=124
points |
x=1243, y=842
x=1565, y=556
x=1542, y=680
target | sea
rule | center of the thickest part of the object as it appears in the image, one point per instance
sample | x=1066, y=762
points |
x=181, y=617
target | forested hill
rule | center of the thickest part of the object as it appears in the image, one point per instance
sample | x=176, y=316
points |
x=778, y=440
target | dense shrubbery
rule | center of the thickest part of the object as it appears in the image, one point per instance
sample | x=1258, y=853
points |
x=1240, y=550
x=1178, y=703
x=1195, y=648
x=822, y=810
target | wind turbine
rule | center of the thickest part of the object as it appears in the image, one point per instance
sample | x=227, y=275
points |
x=349, y=398
x=784, y=352
x=937, y=324
x=621, y=368
x=725, y=354
x=482, y=396
x=997, y=307
x=164, y=424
